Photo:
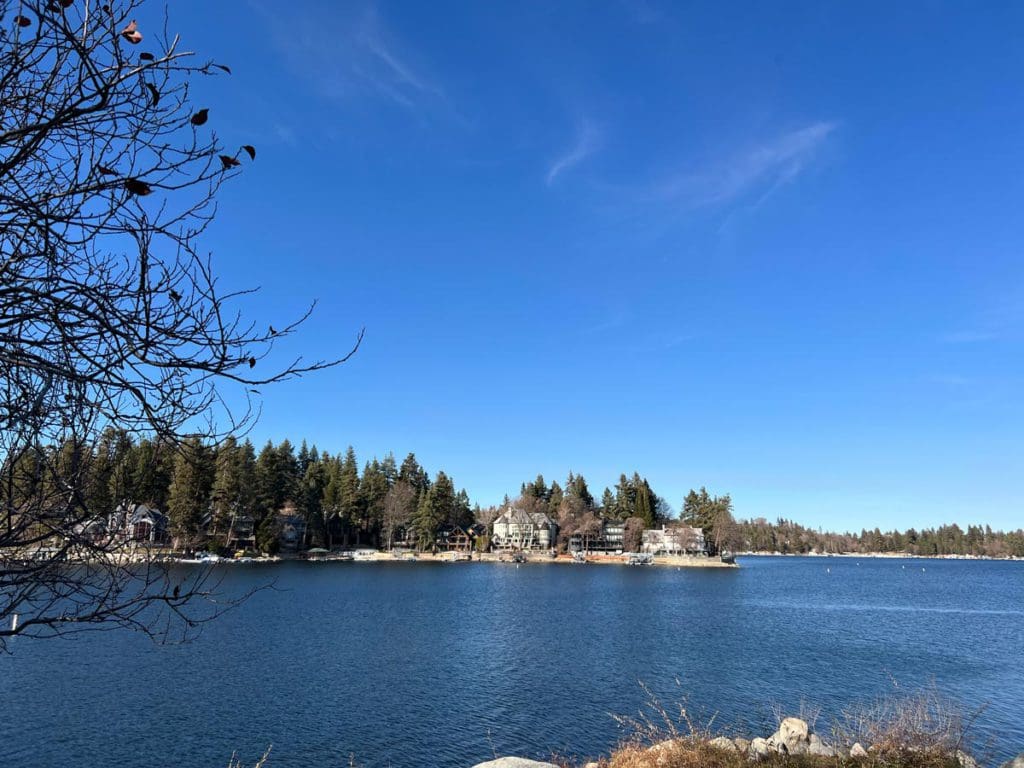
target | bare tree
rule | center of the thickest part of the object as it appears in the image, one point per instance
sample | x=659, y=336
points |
x=633, y=534
x=399, y=504
x=110, y=316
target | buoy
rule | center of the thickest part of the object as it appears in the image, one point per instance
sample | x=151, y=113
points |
x=828, y=570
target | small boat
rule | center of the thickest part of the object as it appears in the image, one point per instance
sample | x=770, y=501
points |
x=640, y=558
x=364, y=554
x=518, y=557
x=457, y=557
x=579, y=557
x=729, y=558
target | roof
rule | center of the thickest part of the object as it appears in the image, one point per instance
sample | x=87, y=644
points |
x=143, y=514
x=140, y=513
x=511, y=515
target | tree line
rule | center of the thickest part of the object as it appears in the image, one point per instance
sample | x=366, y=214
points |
x=202, y=487
x=788, y=537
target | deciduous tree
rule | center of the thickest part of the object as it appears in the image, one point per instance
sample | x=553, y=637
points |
x=110, y=312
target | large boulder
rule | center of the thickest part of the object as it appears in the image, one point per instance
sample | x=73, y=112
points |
x=792, y=738
x=743, y=745
x=1017, y=762
x=721, y=742
x=760, y=749
x=514, y=762
x=858, y=751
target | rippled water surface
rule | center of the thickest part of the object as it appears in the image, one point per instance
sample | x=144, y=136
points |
x=411, y=665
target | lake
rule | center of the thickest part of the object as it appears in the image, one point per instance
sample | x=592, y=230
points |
x=412, y=664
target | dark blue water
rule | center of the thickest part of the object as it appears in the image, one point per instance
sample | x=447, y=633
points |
x=411, y=665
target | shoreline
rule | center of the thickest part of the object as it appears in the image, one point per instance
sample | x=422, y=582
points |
x=881, y=556
x=440, y=558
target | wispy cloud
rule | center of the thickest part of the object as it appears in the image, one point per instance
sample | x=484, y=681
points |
x=388, y=71
x=348, y=55
x=585, y=144
x=760, y=170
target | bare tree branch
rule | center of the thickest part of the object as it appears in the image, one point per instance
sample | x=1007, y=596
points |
x=111, y=320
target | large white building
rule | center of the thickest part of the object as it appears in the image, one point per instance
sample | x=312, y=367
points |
x=678, y=540
x=517, y=529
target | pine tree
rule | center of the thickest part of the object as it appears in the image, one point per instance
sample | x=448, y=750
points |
x=348, y=493
x=290, y=474
x=331, y=502
x=412, y=473
x=576, y=488
x=555, y=499
x=189, y=492
x=149, y=469
x=389, y=468
x=373, y=488
x=311, y=498
x=233, y=490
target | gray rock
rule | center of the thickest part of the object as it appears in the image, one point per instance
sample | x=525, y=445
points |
x=858, y=751
x=793, y=729
x=964, y=760
x=662, y=750
x=721, y=742
x=815, y=746
x=791, y=738
x=743, y=745
x=760, y=749
x=514, y=762
x=1017, y=762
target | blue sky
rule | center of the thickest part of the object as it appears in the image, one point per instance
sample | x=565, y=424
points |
x=774, y=249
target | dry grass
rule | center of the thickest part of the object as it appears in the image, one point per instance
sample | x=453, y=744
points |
x=686, y=754
x=919, y=730
x=922, y=721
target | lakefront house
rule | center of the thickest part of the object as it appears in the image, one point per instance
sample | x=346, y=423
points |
x=138, y=524
x=609, y=536
x=675, y=540
x=517, y=529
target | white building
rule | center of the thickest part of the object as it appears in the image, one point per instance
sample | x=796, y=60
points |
x=678, y=540
x=516, y=529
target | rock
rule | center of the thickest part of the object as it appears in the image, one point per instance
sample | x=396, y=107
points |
x=791, y=738
x=1017, y=762
x=721, y=742
x=858, y=751
x=592, y=765
x=964, y=760
x=760, y=749
x=793, y=729
x=743, y=745
x=660, y=749
x=815, y=746
x=514, y=762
